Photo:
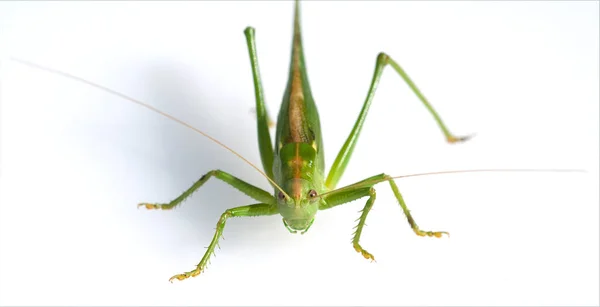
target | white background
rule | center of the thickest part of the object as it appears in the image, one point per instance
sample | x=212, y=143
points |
x=75, y=160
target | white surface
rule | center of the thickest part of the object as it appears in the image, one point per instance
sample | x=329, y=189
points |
x=75, y=161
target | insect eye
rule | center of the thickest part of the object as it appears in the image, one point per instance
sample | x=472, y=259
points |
x=281, y=195
x=312, y=193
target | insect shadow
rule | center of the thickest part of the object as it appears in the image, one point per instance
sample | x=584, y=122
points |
x=175, y=88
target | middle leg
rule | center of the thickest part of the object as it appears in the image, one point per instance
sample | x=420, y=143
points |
x=244, y=187
x=365, y=188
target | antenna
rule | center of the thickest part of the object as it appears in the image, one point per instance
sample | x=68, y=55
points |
x=376, y=181
x=145, y=105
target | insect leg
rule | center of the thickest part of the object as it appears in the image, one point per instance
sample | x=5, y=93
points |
x=244, y=187
x=250, y=210
x=346, y=196
x=365, y=188
x=264, y=136
x=411, y=221
x=345, y=152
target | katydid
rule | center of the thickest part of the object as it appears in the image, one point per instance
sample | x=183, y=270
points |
x=294, y=162
x=295, y=165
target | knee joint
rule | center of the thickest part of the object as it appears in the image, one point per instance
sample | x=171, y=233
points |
x=382, y=58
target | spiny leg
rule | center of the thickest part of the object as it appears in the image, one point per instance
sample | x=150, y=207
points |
x=250, y=210
x=263, y=121
x=365, y=188
x=343, y=157
x=346, y=196
x=244, y=187
x=361, y=223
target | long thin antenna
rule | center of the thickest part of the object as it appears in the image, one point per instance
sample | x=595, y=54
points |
x=492, y=170
x=376, y=181
x=145, y=105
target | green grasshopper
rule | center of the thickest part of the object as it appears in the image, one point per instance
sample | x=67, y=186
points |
x=295, y=166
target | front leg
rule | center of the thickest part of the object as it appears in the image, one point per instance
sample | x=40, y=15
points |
x=346, y=196
x=361, y=223
x=251, y=210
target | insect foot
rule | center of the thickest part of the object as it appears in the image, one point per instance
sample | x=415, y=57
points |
x=150, y=206
x=363, y=252
x=453, y=139
x=437, y=234
x=185, y=275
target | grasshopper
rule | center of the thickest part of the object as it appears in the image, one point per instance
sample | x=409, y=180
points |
x=294, y=163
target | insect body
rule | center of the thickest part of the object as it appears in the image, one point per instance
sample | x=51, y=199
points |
x=294, y=164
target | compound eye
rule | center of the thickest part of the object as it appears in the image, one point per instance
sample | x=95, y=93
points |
x=312, y=193
x=281, y=196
